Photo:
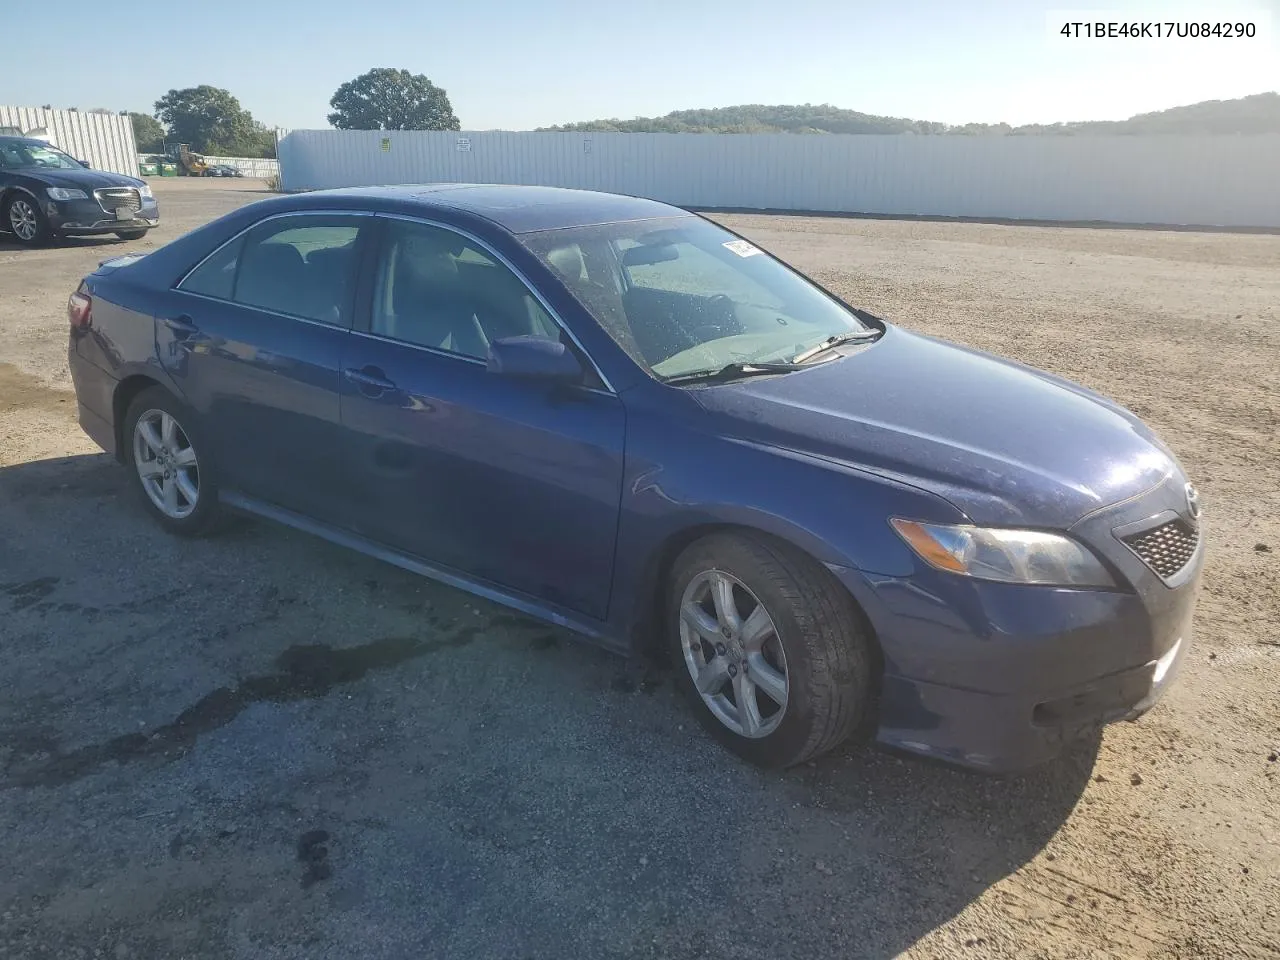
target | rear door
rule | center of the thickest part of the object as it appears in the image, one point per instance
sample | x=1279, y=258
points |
x=512, y=482
x=254, y=337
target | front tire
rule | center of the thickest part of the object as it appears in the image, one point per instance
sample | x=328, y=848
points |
x=170, y=464
x=131, y=234
x=770, y=650
x=26, y=221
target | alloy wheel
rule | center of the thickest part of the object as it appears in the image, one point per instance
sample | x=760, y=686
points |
x=166, y=463
x=22, y=219
x=733, y=653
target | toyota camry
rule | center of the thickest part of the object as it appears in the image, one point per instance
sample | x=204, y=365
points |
x=627, y=420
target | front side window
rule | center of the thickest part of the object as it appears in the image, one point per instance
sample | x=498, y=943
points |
x=303, y=266
x=683, y=295
x=435, y=288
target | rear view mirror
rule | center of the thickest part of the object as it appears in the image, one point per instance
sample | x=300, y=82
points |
x=83, y=163
x=534, y=358
x=649, y=253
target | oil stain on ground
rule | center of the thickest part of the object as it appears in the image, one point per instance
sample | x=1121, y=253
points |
x=21, y=391
x=303, y=672
x=29, y=592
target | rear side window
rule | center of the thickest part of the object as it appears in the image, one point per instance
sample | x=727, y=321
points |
x=303, y=266
x=216, y=277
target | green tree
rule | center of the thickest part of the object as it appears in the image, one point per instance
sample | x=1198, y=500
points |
x=258, y=141
x=148, y=133
x=1259, y=113
x=208, y=118
x=388, y=99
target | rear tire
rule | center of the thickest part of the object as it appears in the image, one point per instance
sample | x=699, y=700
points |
x=131, y=234
x=815, y=654
x=170, y=464
x=26, y=221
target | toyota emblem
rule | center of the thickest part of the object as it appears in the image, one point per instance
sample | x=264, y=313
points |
x=1193, y=502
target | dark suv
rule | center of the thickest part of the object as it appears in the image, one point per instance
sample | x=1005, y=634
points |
x=45, y=193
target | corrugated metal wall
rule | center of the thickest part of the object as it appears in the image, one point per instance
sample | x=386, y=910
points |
x=104, y=139
x=1207, y=180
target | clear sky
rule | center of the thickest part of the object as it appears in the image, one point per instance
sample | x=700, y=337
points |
x=516, y=65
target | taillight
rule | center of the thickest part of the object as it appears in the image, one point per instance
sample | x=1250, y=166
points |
x=80, y=310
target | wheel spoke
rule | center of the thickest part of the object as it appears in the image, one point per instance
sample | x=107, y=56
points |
x=150, y=437
x=168, y=430
x=744, y=692
x=185, y=457
x=188, y=489
x=736, y=662
x=757, y=629
x=711, y=678
x=149, y=469
x=700, y=621
x=726, y=606
x=170, y=492
x=767, y=679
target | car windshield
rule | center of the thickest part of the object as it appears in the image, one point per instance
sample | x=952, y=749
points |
x=682, y=295
x=17, y=154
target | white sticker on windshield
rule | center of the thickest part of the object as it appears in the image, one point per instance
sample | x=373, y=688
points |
x=742, y=248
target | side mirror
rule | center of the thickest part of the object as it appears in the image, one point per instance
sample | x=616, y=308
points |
x=534, y=358
x=83, y=163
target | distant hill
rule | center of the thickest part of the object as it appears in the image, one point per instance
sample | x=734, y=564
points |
x=1259, y=113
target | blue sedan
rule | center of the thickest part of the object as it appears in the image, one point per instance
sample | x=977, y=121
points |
x=622, y=418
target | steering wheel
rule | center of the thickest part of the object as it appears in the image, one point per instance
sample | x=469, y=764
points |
x=723, y=314
x=721, y=318
x=721, y=303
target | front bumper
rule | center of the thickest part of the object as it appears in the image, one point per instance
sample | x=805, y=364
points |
x=84, y=217
x=1000, y=677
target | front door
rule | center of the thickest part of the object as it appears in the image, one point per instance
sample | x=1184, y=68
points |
x=254, y=338
x=511, y=482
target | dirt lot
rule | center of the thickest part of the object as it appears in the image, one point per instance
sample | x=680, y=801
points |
x=264, y=746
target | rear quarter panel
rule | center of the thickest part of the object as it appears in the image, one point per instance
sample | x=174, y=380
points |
x=119, y=343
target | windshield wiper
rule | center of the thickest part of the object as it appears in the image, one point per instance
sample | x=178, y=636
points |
x=731, y=371
x=835, y=341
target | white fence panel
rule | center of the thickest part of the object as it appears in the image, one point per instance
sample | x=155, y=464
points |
x=104, y=139
x=250, y=166
x=1201, y=180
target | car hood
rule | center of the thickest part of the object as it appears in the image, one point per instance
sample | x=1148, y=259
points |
x=1004, y=443
x=83, y=179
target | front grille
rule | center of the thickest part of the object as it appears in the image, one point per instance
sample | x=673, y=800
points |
x=1166, y=549
x=112, y=197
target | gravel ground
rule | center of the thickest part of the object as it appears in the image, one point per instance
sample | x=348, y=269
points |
x=262, y=746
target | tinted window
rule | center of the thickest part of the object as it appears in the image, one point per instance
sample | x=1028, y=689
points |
x=437, y=289
x=304, y=266
x=216, y=277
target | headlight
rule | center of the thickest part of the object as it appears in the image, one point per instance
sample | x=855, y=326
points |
x=1010, y=556
x=145, y=191
x=66, y=193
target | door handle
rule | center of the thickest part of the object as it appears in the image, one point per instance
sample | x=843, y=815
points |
x=181, y=324
x=369, y=379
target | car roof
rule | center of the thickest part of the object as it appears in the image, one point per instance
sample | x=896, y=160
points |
x=515, y=208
